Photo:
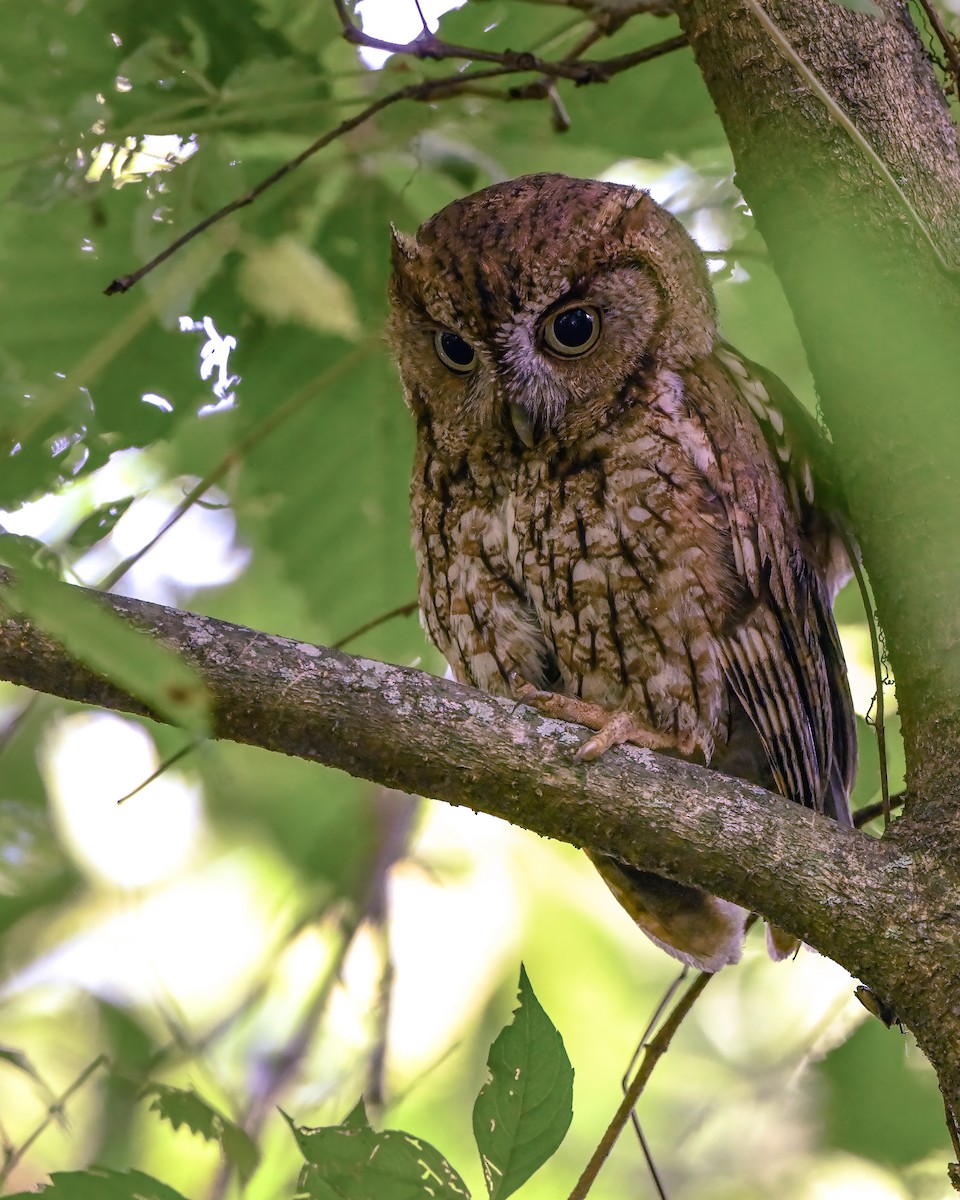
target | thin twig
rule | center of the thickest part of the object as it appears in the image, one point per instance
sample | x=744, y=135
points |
x=641, y=1046
x=947, y=41
x=431, y=47
x=652, y=1024
x=284, y=1066
x=544, y=84
x=164, y=766
x=654, y=1052
x=423, y=19
x=17, y=721
x=402, y=610
x=648, y=1155
x=582, y=72
x=878, y=722
x=240, y=448
x=55, y=1110
x=870, y=812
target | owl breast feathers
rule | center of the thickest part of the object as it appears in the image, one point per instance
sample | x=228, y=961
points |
x=611, y=505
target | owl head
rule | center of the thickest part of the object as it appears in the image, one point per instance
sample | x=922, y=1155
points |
x=533, y=308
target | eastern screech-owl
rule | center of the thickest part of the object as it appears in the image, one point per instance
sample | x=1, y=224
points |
x=614, y=510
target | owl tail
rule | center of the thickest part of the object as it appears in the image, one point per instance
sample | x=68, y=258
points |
x=700, y=930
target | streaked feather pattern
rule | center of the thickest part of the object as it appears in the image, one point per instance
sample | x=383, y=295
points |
x=647, y=527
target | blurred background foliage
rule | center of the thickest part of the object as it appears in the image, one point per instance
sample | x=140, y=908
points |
x=259, y=929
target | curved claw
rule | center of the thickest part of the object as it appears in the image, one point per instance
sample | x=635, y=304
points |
x=619, y=728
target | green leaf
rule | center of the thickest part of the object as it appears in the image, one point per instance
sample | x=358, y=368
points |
x=100, y=1183
x=16, y=1058
x=238, y=1149
x=286, y=281
x=356, y=1118
x=352, y=1160
x=524, y=1110
x=93, y=635
x=101, y=521
x=184, y=1107
x=872, y=1065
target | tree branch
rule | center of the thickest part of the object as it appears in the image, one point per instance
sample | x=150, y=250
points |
x=884, y=912
x=404, y=729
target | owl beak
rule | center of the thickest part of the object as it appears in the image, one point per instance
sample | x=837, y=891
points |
x=523, y=425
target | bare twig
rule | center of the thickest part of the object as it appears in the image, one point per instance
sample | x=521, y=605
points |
x=402, y=610
x=240, y=448
x=164, y=767
x=879, y=677
x=457, y=83
x=652, y=1055
x=870, y=812
x=546, y=87
x=946, y=39
x=654, y=1051
x=284, y=1066
x=625, y=1081
x=428, y=46
x=53, y=1112
x=599, y=8
x=423, y=19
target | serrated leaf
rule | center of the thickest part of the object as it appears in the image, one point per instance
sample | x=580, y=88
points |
x=100, y=1183
x=182, y=1106
x=362, y=1164
x=93, y=635
x=524, y=1110
x=356, y=1118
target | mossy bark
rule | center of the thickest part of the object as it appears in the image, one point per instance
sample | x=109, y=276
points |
x=869, y=259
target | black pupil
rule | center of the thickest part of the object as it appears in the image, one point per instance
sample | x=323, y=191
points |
x=456, y=349
x=574, y=327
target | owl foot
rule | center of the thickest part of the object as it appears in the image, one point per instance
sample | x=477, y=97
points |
x=560, y=707
x=613, y=729
x=619, y=728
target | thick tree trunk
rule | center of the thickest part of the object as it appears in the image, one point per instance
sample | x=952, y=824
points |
x=847, y=154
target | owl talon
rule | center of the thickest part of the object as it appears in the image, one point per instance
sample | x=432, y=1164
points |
x=622, y=727
x=619, y=728
x=525, y=692
x=561, y=707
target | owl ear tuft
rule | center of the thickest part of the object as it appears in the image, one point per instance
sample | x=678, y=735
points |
x=404, y=248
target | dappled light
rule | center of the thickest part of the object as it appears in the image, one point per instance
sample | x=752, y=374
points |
x=267, y=938
x=138, y=158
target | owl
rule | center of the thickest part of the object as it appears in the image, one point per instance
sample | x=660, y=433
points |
x=616, y=516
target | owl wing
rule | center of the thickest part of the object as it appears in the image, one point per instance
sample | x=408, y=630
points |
x=780, y=650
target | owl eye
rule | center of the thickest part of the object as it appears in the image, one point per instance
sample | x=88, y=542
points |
x=454, y=352
x=573, y=331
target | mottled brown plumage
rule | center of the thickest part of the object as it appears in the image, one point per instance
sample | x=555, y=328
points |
x=612, y=505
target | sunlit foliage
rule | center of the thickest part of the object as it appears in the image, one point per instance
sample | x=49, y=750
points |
x=247, y=933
